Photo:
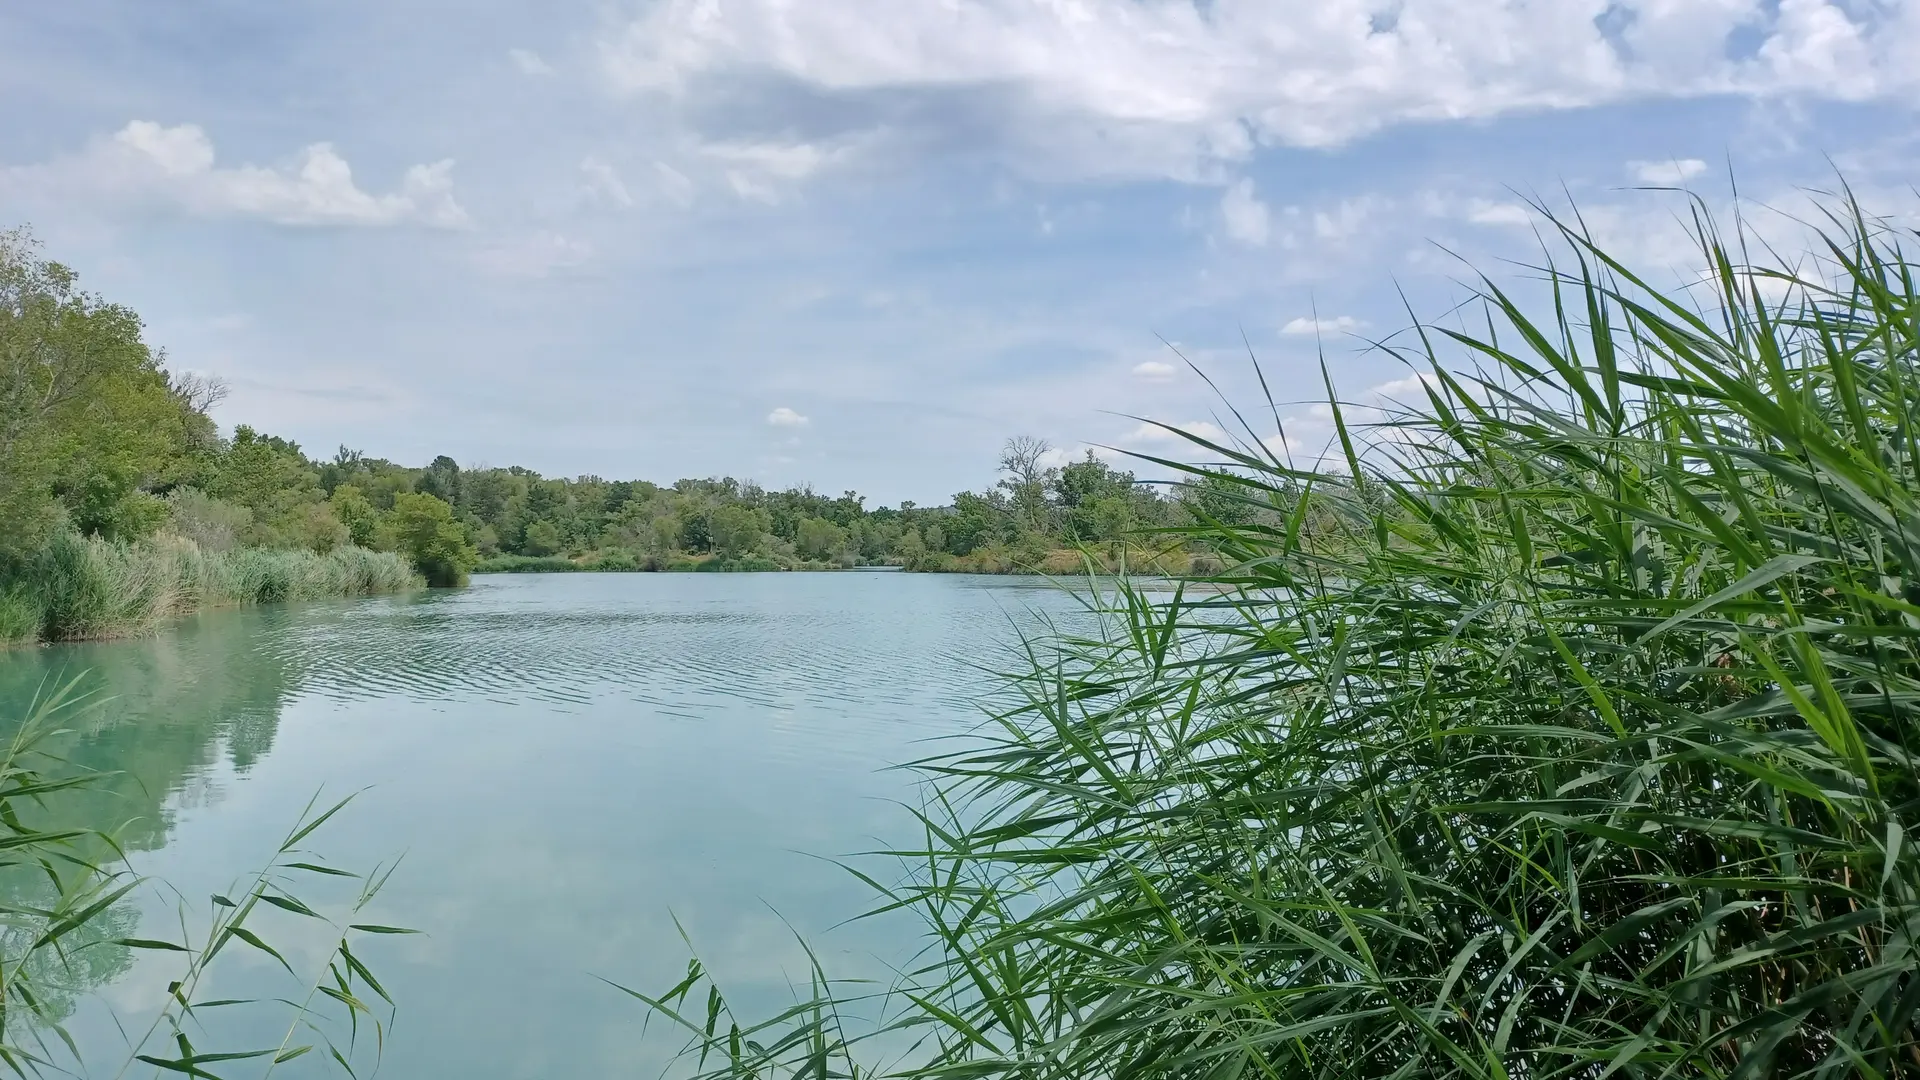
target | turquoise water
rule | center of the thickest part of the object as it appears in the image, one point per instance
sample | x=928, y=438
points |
x=568, y=763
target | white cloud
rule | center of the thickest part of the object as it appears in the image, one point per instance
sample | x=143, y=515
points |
x=1667, y=172
x=1245, y=215
x=1487, y=212
x=152, y=162
x=529, y=62
x=535, y=255
x=1306, y=324
x=785, y=417
x=1154, y=371
x=764, y=171
x=603, y=182
x=1171, y=86
x=1815, y=42
x=176, y=151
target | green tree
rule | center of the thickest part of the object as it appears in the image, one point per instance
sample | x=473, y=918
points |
x=441, y=479
x=315, y=528
x=542, y=538
x=696, y=532
x=737, y=530
x=353, y=510
x=1095, y=499
x=1110, y=517
x=89, y=423
x=1215, y=497
x=271, y=477
x=976, y=521
x=661, y=537
x=819, y=538
x=911, y=549
x=424, y=530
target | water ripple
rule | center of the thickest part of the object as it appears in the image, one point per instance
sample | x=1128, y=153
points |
x=870, y=650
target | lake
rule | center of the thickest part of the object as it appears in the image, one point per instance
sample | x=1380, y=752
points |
x=567, y=762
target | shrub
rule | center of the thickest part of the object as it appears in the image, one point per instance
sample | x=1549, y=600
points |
x=423, y=529
x=315, y=528
x=749, y=564
x=525, y=564
x=212, y=524
x=612, y=559
x=352, y=509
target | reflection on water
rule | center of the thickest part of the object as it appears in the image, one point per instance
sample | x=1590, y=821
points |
x=569, y=762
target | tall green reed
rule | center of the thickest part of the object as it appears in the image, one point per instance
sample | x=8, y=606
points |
x=21, y=615
x=68, y=889
x=86, y=587
x=1561, y=726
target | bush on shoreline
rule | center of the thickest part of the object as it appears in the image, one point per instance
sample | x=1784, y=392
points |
x=620, y=561
x=83, y=588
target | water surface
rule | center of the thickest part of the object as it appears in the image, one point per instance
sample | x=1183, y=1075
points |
x=568, y=762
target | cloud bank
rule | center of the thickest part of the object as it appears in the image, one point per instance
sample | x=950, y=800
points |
x=148, y=161
x=1171, y=86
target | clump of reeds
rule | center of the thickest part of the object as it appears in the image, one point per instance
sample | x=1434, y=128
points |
x=85, y=587
x=21, y=616
x=1564, y=727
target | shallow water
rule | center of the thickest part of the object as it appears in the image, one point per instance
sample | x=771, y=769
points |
x=568, y=763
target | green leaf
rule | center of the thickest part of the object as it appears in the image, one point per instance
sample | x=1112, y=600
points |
x=254, y=940
x=145, y=943
x=1766, y=574
x=318, y=869
x=288, y=903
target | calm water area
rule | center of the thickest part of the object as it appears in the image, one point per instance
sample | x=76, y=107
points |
x=567, y=763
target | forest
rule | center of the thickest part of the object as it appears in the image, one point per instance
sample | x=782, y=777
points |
x=519, y=520
x=124, y=501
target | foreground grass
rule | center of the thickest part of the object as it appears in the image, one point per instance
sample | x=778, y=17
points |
x=82, y=588
x=1575, y=739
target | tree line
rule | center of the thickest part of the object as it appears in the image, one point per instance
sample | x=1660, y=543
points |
x=98, y=436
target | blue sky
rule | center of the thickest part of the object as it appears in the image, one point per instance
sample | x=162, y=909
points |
x=858, y=243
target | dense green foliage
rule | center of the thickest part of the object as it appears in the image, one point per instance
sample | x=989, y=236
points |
x=1576, y=741
x=91, y=425
x=1034, y=519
